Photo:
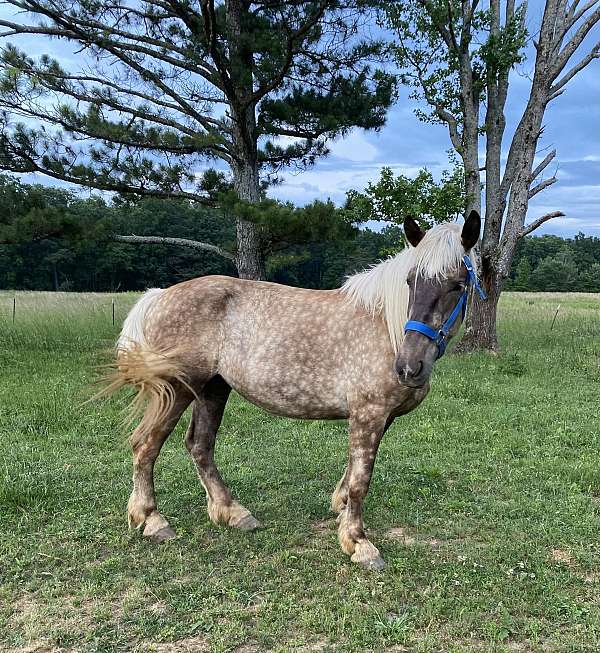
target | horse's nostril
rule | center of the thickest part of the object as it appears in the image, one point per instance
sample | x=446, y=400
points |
x=407, y=372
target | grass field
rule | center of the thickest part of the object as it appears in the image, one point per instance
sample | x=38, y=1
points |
x=485, y=504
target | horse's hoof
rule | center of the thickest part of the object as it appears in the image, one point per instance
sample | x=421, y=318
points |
x=247, y=523
x=157, y=528
x=367, y=556
x=163, y=535
x=374, y=564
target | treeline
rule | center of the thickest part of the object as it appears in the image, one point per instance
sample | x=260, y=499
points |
x=51, y=239
x=554, y=264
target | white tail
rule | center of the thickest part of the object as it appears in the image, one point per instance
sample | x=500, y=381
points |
x=132, y=333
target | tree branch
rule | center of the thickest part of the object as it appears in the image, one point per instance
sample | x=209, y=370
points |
x=181, y=242
x=593, y=54
x=527, y=229
x=262, y=90
x=26, y=163
x=538, y=188
x=567, y=52
x=542, y=166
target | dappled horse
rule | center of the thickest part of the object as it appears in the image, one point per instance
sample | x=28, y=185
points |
x=363, y=352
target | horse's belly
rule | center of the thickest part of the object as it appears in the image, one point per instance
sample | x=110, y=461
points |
x=305, y=391
x=288, y=403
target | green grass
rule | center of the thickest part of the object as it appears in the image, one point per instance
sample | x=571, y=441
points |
x=485, y=503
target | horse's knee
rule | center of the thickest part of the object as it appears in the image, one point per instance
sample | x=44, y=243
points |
x=201, y=455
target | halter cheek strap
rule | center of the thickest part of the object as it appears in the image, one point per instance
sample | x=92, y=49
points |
x=440, y=336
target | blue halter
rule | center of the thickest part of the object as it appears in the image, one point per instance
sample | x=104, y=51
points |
x=439, y=337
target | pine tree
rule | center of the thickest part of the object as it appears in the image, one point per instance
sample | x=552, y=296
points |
x=166, y=84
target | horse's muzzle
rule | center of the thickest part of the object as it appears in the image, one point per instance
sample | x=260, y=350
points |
x=414, y=362
x=414, y=377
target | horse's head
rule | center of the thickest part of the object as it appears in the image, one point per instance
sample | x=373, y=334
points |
x=437, y=302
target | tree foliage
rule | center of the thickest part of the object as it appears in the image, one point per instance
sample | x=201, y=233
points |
x=553, y=264
x=392, y=197
x=53, y=238
x=164, y=86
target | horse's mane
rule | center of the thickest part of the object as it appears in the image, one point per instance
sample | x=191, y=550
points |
x=382, y=288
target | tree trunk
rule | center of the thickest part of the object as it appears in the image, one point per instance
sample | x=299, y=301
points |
x=249, y=259
x=480, y=332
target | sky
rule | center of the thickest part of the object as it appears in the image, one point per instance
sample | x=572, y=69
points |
x=571, y=126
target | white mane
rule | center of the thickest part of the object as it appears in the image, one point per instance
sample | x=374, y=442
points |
x=383, y=289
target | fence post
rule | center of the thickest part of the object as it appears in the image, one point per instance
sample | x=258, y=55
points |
x=555, y=316
x=14, y=308
x=113, y=311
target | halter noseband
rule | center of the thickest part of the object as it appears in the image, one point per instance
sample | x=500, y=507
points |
x=439, y=337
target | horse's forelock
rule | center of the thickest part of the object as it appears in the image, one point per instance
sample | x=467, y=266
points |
x=440, y=251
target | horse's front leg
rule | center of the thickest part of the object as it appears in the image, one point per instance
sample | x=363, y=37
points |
x=339, y=498
x=366, y=429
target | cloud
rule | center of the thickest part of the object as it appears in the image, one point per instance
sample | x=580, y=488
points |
x=329, y=180
x=354, y=147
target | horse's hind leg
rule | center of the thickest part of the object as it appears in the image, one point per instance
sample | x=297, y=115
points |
x=200, y=441
x=366, y=430
x=147, y=441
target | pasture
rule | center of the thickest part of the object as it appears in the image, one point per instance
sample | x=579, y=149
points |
x=485, y=504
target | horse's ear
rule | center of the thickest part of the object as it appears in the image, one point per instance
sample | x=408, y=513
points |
x=414, y=233
x=471, y=229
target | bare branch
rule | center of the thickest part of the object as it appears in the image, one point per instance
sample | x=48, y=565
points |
x=540, y=221
x=180, y=242
x=555, y=90
x=543, y=165
x=572, y=16
x=538, y=188
x=567, y=52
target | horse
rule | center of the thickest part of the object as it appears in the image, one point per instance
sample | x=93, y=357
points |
x=363, y=352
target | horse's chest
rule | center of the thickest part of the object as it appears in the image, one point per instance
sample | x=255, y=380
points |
x=406, y=399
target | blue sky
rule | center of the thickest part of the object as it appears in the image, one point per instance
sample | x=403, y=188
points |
x=572, y=127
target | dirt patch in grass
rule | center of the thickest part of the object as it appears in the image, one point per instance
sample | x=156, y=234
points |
x=37, y=647
x=201, y=645
x=324, y=526
x=408, y=538
x=562, y=556
x=319, y=646
x=188, y=645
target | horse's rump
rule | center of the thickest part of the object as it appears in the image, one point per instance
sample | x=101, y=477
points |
x=152, y=368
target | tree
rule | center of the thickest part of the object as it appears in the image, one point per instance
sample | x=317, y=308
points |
x=393, y=197
x=555, y=274
x=523, y=275
x=29, y=213
x=165, y=84
x=458, y=58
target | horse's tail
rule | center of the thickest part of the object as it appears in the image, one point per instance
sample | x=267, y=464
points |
x=151, y=370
